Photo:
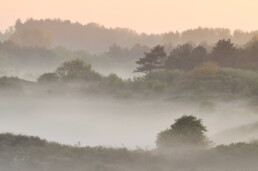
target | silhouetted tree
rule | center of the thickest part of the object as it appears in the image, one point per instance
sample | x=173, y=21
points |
x=187, y=130
x=198, y=56
x=179, y=58
x=152, y=60
x=186, y=57
x=224, y=52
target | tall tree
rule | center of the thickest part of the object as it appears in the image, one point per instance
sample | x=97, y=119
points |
x=224, y=53
x=179, y=57
x=153, y=60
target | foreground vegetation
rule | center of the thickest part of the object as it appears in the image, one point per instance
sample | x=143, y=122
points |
x=181, y=152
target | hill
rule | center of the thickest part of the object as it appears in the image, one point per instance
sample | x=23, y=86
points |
x=19, y=152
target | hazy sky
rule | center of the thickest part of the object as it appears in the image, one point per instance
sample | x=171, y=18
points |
x=141, y=15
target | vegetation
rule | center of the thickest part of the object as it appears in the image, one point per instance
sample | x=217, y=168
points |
x=39, y=56
x=31, y=36
x=204, y=82
x=20, y=152
x=76, y=69
x=182, y=67
x=186, y=131
x=96, y=38
x=152, y=60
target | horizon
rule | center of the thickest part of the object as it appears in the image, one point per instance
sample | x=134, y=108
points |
x=147, y=17
x=134, y=30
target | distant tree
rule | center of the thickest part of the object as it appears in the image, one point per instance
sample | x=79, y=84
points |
x=32, y=36
x=171, y=37
x=251, y=53
x=115, y=51
x=39, y=57
x=186, y=57
x=180, y=58
x=77, y=69
x=224, y=53
x=48, y=78
x=200, y=34
x=6, y=34
x=153, y=60
x=186, y=131
x=252, y=42
x=198, y=56
x=138, y=49
x=241, y=37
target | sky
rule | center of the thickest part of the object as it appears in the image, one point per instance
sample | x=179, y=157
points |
x=150, y=16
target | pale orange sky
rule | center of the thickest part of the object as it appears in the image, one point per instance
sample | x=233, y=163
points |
x=151, y=16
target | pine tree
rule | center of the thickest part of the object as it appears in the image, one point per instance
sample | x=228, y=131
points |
x=153, y=60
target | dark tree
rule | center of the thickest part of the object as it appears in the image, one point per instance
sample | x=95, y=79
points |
x=186, y=57
x=251, y=51
x=153, y=60
x=224, y=53
x=198, y=56
x=187, y=130
x=180, y=57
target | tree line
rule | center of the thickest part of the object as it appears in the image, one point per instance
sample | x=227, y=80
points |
x=96, y=38
x=186, y=57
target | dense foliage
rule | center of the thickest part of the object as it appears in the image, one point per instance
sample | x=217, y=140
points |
x=186, y=131
x=207, y=81
x=224, y=53
x=186, y=71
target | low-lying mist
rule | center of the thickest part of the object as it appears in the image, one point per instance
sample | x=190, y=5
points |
x=115, y=122
x=187, y=108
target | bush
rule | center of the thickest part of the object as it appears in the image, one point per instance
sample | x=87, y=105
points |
x=186, y=131
x=77, y=70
